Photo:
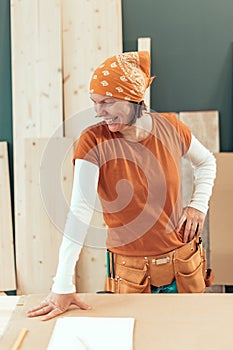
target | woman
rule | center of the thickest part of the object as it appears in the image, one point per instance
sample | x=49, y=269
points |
x=132, y=159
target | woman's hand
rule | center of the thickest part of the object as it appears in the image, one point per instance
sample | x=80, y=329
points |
x=56, y=304
x=194, y=220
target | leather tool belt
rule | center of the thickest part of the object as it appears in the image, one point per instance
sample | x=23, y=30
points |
x=186, y=264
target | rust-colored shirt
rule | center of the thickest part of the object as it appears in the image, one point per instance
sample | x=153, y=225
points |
x=139, y=184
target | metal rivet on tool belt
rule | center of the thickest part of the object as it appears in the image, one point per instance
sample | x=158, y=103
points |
x=145, y=257
x=123, y=262
x=149, y=277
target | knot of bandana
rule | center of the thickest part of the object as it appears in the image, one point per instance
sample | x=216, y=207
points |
x=125, y=76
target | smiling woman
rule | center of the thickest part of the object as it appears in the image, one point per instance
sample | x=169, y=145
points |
x=132, y=160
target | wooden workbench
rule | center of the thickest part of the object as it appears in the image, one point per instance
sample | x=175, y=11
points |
x=162, y=322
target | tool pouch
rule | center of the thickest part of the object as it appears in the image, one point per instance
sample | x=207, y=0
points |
x=190, y=274
x=186, y=264
x=128, y=280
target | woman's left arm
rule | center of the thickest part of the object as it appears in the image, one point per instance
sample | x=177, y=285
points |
x=204, y=164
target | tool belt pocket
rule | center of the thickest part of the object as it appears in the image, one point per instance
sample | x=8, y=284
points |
x=190, y=273
x=128, y=280
x=124, y=286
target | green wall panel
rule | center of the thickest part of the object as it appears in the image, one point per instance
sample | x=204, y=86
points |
x=191, y=54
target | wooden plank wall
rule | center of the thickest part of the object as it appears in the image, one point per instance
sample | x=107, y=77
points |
x=37, y=112
x=87, y=41
x=7, y=263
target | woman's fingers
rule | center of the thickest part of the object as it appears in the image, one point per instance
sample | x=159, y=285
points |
x=39, y=311
x=181, y=223
x=190, y=231
x=194, y=221
x=38, y=307
x=55, y=312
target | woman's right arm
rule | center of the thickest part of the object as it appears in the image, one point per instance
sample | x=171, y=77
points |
x=83, y=198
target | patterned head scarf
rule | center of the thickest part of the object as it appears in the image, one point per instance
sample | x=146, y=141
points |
x=125, y=76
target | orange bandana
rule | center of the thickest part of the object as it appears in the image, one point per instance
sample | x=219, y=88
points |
x=125, y=76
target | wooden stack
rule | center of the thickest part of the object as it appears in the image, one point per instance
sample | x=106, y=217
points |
x=55, y=46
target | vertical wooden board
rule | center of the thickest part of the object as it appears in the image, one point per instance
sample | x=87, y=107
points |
x=205, y=127
x=91, y=270
x=92, y=31
x=221, y=206
x=47, y=180
x=36, y=90
x=7, y=264
x=144, y=44
x=36, y=67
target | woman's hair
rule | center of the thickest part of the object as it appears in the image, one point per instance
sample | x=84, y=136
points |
x=139, y=108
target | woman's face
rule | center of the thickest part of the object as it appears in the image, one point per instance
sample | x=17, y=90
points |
x=115, y=112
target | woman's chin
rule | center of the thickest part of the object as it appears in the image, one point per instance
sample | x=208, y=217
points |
x=114, y=127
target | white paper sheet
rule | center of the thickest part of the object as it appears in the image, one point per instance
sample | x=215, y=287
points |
x=92, y=333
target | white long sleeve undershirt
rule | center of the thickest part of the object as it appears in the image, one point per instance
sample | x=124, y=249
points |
x=204, y=165
x=84, y=193
x=83, y=198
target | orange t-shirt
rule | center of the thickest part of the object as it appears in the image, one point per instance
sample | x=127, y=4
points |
x=139, y=184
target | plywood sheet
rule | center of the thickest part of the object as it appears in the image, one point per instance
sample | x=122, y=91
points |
x=92, y=31
x=7, y=264
x=48, y=181
x=36, y=92
x=205, y=127
x=221, y=209
x=144, y=44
